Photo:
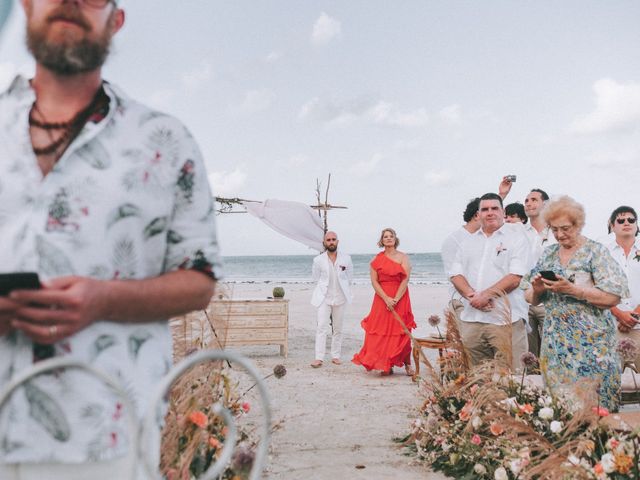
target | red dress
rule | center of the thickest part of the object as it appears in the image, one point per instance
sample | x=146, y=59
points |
x=385, y=342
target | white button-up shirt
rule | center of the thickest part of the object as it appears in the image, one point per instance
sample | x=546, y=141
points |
x=129, y=199
x=484, y=260
x=631, y=267
x=450, y=247
x=334, y=291
x=538, y=241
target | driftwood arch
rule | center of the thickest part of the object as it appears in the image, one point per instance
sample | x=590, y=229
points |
x=236, y=204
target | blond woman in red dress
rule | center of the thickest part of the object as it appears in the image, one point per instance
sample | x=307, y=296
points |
x=385, y=342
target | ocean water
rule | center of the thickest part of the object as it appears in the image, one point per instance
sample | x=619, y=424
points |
x=426, y=268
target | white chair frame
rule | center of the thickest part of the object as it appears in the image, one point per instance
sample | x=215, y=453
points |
x=140, y=429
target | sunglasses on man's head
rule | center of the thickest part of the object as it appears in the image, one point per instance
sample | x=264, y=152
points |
x=631, y=220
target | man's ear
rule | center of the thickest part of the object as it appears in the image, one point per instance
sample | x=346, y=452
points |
x=118, y=21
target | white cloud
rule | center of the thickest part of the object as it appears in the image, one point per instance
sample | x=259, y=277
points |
x=364, y=109
x=257, y=101
x=385, y=113
x=190, y=81
x=273, y=57
x=335, y=113
x=617, y=108
x=325, y=30
x=438, y=178
x=617, y=161
x=408, y=144
x=364, y=168
x=451, y=114
x=198, y=76
x=227, y=183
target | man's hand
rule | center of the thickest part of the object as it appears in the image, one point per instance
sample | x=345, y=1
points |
x=481, y=300
x=7, y=314
x=626, y=321
x=504, y=188
x=61, y=308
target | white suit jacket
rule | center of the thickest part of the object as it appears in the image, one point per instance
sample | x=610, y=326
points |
x=320, y=274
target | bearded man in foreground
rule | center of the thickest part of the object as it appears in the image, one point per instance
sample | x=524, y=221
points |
x=108, y=201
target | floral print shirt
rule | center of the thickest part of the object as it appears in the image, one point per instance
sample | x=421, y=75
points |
x=129, y=199
x=579, y=339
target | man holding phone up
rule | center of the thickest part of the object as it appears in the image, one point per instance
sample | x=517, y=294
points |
x=540, y=237
x=108, y=201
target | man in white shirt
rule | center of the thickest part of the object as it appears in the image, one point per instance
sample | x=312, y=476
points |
x=493, y=259
x=539, y=237
x=452, y=243
x=109, y=202
x=625, y=248
x=333, y=272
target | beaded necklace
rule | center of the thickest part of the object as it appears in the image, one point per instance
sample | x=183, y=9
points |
x=69, y=128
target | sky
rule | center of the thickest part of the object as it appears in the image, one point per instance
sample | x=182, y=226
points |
x=414, y=107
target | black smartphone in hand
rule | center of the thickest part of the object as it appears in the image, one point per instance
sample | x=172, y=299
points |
x=18, y=281
x=549, y=275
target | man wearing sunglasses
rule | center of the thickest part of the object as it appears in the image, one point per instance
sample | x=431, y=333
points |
x=108, y=201
x=625, y=248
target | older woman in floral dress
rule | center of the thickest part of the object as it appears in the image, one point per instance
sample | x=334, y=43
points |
x=579, y=334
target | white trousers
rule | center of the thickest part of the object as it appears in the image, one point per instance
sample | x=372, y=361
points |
x=328, y=316
x=119, y=469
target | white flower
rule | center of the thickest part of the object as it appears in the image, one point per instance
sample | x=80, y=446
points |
x=608, y=463
x=515, y=466
x=479, y=469
x=476, y=422
x=573, y=460
x=512, y=403
x=545, y=400
x=546, y=413
x=556, y=426
x=500, y=474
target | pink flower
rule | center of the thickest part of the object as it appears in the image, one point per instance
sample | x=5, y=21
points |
x=476, y=439
x=601, y=411
x=246, y=407
x=496, y=429
x=526, y=408
x=198, y=418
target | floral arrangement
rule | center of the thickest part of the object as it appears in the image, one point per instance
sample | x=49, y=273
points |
x=194, y=435
x=487, y=423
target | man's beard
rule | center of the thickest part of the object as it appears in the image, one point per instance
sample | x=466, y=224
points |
x=331, y=248
x=68, y=56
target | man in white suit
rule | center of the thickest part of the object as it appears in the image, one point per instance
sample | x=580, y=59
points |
x=333, y=272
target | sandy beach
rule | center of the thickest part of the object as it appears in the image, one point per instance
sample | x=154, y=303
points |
x=338, y=422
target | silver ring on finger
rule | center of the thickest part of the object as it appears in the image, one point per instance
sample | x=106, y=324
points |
x=53, y=330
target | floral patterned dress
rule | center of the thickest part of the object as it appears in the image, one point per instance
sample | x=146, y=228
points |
x=579, y=339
